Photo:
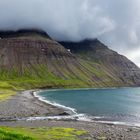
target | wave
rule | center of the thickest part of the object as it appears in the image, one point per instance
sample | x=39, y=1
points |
x=78, y=117
x=68, y=109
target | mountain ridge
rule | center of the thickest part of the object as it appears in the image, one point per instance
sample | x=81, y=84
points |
x=94, y=50
x=31, y=59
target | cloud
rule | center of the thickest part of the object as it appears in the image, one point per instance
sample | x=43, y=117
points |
x=134, y=55
x=64, y=20
x=116, y=23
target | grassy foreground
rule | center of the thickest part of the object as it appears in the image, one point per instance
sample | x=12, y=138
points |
x=55, y=133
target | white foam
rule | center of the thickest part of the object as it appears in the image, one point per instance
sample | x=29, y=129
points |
x=78, y=117
x=69, y=109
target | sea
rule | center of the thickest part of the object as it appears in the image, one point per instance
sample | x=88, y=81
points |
x=110, y=105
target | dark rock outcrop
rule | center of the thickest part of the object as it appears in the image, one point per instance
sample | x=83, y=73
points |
x=23, y=32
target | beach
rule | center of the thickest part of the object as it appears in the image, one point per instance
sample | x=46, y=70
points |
x=25, y=105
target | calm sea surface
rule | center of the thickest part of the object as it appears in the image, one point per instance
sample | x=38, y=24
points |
x=118, y=105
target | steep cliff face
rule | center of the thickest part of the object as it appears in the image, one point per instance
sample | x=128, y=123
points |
x=116, y=65
x=30, y=58
x=32, y=55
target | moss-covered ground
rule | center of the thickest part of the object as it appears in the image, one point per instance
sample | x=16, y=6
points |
x=54, y=133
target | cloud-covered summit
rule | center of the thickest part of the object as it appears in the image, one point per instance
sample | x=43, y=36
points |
x=116, y=23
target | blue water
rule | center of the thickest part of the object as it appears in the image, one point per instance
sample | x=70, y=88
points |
x=122, y=104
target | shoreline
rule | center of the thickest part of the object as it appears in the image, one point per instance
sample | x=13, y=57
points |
x=73, y=115
x=36, y=108
x=24, y=104
x=67, y=110
x=20, y=110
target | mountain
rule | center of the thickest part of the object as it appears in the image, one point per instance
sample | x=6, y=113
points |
x=116, y=66
x=31, y=59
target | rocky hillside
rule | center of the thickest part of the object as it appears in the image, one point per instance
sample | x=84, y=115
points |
x=31, y=59
x=114, y=64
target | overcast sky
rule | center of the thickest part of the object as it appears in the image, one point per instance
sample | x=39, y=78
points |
x=114, y=22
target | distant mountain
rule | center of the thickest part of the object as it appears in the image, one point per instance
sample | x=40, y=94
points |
x=31, y=59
